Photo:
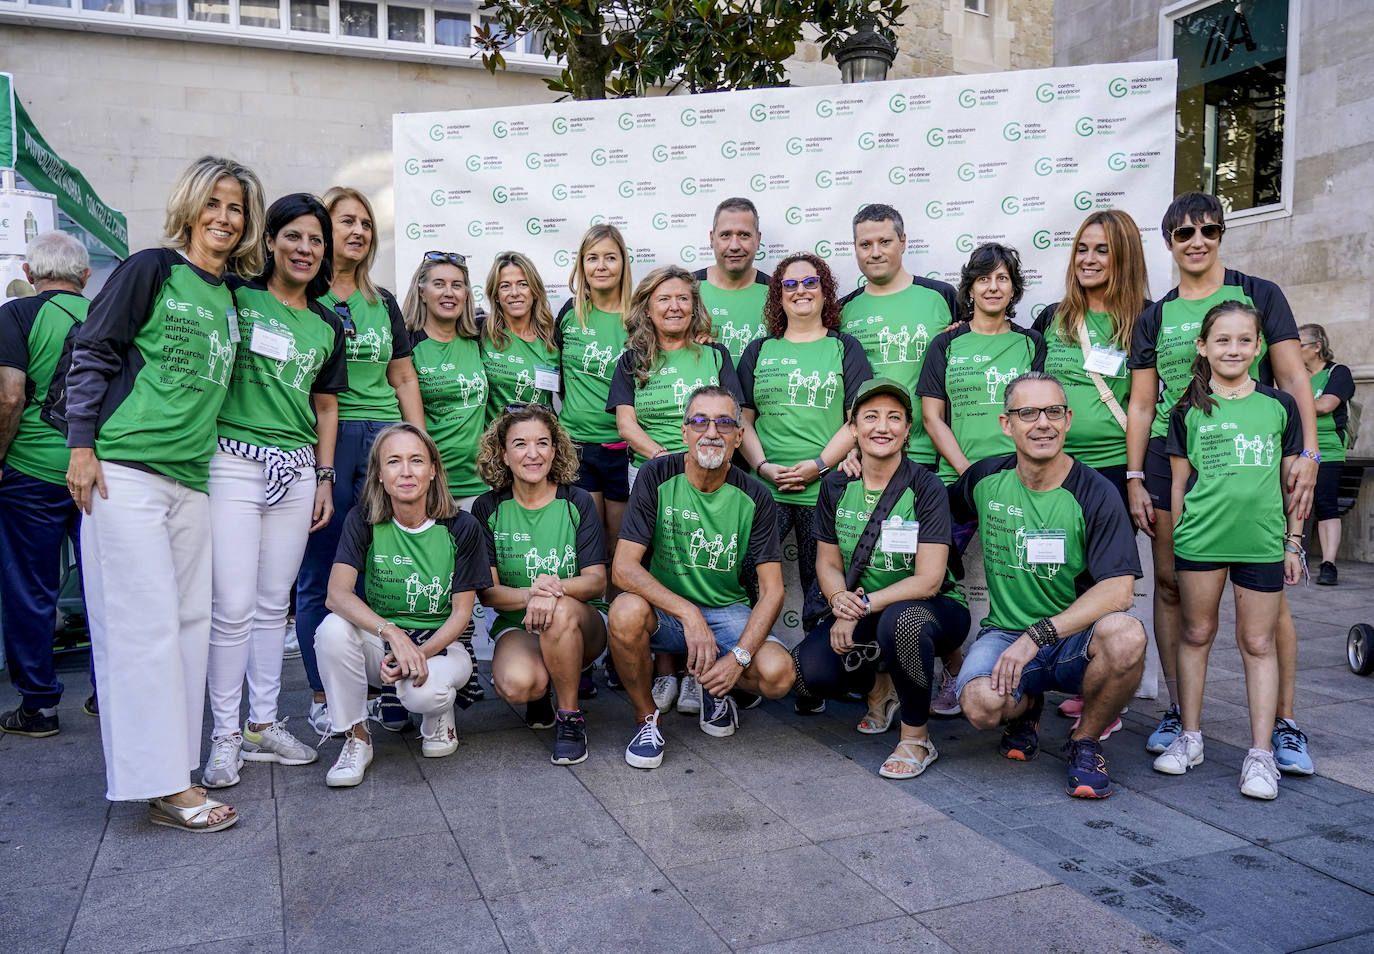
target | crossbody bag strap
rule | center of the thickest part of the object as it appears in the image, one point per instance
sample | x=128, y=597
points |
x=1104, y=392
x=863, y=549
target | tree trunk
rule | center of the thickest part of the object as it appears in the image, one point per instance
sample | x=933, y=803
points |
x=589, y=57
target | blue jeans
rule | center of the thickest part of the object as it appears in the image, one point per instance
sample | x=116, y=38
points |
x=1060, y=667
x=312, y=583
x=727, y=625
x=35, y=517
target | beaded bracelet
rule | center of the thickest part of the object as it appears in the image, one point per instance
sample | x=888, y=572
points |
x=1043, y=633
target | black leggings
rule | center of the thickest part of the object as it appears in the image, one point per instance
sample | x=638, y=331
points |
x=802, y=517
x=907, y=636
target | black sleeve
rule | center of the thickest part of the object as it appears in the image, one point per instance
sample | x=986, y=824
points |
x=641, y=513
x=1292, y=428
x=122, y=307
x=333, y=376
x=563, y=312
x=1339, y=383
x=1038, y=350
x=482, y=510
x=1109, y=538
x=932, y=508
x=728, y=378
x=827, y=499
x=1145, y=336
x=1045, y=319
x=1276, y=316
x=763, y=534
x=622, y=382
x=1176, y=439
x=471, y=561
x=591, y=541
x=400, y=334
x=932, y=380
x=856, y=369
x=14, y=332
x=963, y=508
x=747, y=361
x=354, y=540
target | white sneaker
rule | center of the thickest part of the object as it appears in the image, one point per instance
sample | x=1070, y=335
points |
x=664, y=692
x=440, y=734
x=275, y=744
x=319, y=720
x=1259, y=775
x=689, y=696
x=1182, y=754
x=226, y=758
x=291, y=649
x=351, y=764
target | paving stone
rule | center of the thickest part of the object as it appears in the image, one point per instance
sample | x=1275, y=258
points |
x=839, y=806
x=1361, y=944
x=150, y=910
x=1221, y=805
x=677, y=832
x=35, y=918
x=756, y=758
x=935, y=864
x=769, y=896
x=392, y=766
x=684, y=773
x=1355, y=769
x=132, y=843
x=641, y=913
x=257, y=944
x=441, y=927
x=1346, y=854
x=50, y=829
x=337, y=816
x=894, y=934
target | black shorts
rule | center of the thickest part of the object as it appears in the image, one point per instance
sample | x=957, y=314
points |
x=1117, y=475
x=1159, y=476
x=603, y=470
x=1326, y=503
x=1260, y=577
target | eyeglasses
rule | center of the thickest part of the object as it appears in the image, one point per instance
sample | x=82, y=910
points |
x=1309, y=344
x=1211, y=232
x=453, y=258
x=810, y=283
x=346, y=316
x=1029, y=415
x=700, y=423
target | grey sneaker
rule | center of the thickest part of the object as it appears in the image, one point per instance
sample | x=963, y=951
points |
x=226, y=758
x=353, y=760
x=291, y=648
x=664, y=692
x=1259, y=776
x=689, y=696
x=1182, y=754
x=275, y=744
x=319, y=720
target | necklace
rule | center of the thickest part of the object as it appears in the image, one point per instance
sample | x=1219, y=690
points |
x=1232, y=393
x=871, y=498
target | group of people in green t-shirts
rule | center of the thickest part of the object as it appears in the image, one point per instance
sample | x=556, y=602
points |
x=248, y=417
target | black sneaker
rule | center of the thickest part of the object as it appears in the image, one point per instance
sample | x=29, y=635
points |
x=745, y=699
x=569, y=738
x=586, y=687
x=91, y=706
x=539, y=713
x=612, y=677
x=807, y=704
x=1326, y=575
x=30, y=722
x=1021, y=738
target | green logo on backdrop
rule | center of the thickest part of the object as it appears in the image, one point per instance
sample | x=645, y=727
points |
x=897, y=175
x=659, y=221
x=688, y=254
x=1045, y=92
x=968, y=98
x=1011, y=132
x=533, y=226
x=475, y=228
x=1116, y=161
x=474, y=163
x=1044, y=166
x=1041, y=239
x=688, y=186
x=559, y=191
x=867, y=140
x=936, y=137
x=500, y=129
x=626, y=121
x=659, y=153
x=688, y=116
x=597, y=219
x=758, y=182
x=964, y=243
x=729, y=149
x=824, y=249
x=1118, y=87
x=965, y=172
x=793, y=215
x=824, y=179
x=758, y=112
x=935, y=209
x=1084, y=126
x=1083, y=201
x=626, y=189
x=413, y=230
x=1036, y=309
x=562, y=258
x=560, y=125
x=897, y=103
x=825, y=108
x=533, y=160
x=500, y=194
x=1011, y=205
x=598, y=156
x=438, y=197
x=794, y=146
x=436, y=132
x=412, y=166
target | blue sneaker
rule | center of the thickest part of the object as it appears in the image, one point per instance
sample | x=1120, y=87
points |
x=646, y=748
x=569, y=738
x=719, y=715
x=1164, y=734
x=391, y=715
x=1290, y=748
x=1021, y=737
x=1087, y=769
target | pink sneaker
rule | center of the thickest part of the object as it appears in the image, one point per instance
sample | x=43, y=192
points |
x=1107, y=734
x=1072, y=707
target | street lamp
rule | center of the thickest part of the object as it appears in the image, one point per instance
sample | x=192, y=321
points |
x=865, y=56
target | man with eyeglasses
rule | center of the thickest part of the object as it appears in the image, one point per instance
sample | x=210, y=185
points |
x=1061, y=568
x=692, y=522
x=732, y=289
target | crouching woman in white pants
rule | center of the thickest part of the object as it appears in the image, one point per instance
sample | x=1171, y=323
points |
x=421, y=560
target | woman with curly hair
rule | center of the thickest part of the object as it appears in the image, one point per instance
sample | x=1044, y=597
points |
x=798, y=384
x=548, y=567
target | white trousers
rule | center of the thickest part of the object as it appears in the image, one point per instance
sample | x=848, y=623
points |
x=257, y=553
x=145, y=560
x=350, y=660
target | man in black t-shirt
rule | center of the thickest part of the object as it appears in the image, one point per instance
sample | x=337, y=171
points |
x=693, y=521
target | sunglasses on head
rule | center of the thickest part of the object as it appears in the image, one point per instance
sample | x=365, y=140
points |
x=453, y=258
x=346, y=316
x=810, y=283
x=516, y=408
x=1211, y=232
x=1029, y=415
x=701, y=423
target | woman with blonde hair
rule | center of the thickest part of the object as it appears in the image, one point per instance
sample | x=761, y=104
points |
x=420, y=561
x=150, y=371
x=548, y=570
x=518, y=347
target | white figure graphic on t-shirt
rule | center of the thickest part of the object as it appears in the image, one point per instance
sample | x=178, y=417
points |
x=569, y=565
x=304, y=362
x=680, y=391
x=715, y=548
x=920, y=340
x=996, y=381
x=467, y=387
x=695, y=545
x=533, y=563
x=524, y=380
x=832, y=383
x=794, y=381
x=434, y=590
x=371, y=342
x=599, y=356
x=1046, y=571
x=1269, y=451
x=813, y=384
x=1251, y=446
x=220, y=356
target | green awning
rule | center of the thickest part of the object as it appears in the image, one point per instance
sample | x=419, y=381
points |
x=23, y=149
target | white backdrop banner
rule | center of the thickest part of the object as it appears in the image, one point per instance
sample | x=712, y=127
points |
x=1016, y=157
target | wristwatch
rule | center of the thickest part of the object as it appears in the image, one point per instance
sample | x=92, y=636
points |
x=821, y=466
x=742, y=657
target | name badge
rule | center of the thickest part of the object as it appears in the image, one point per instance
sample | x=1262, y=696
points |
x=900, y=536
x=1105, y=361
x=547, y=379
x=1045, y=546
x=234, y=336
x=269, y=343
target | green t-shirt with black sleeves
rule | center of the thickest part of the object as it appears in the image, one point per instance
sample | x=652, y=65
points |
x=1165, y=336
x=1336, y=380
x=589, y=355
x=32, y=334
x=842, y=513
x=1095, y=437
x=409, y=577
x=151, y=365
x=380, y=339
x=453, y=390
x=970, y=372
x=1024, y=532
x=284, y=356
x=697, y=543
x=513, y=372
x=561, y=538
x=660, y=404
x=800, y=393
x=896, y=331
x=1233, y=504
x=736, y=313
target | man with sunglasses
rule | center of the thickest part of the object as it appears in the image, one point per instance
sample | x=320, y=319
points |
x=1061, y=568
x=692, y=523
x=1161, y=360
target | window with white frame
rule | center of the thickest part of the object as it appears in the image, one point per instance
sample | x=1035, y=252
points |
x=976, y=6
x=1235, y=60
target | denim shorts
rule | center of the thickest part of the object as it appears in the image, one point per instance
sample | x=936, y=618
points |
x=727, y=625
x=1059, y=667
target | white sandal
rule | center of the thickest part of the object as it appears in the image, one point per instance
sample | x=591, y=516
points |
x=192, y=818
x=920, y=765
x=878, y=720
